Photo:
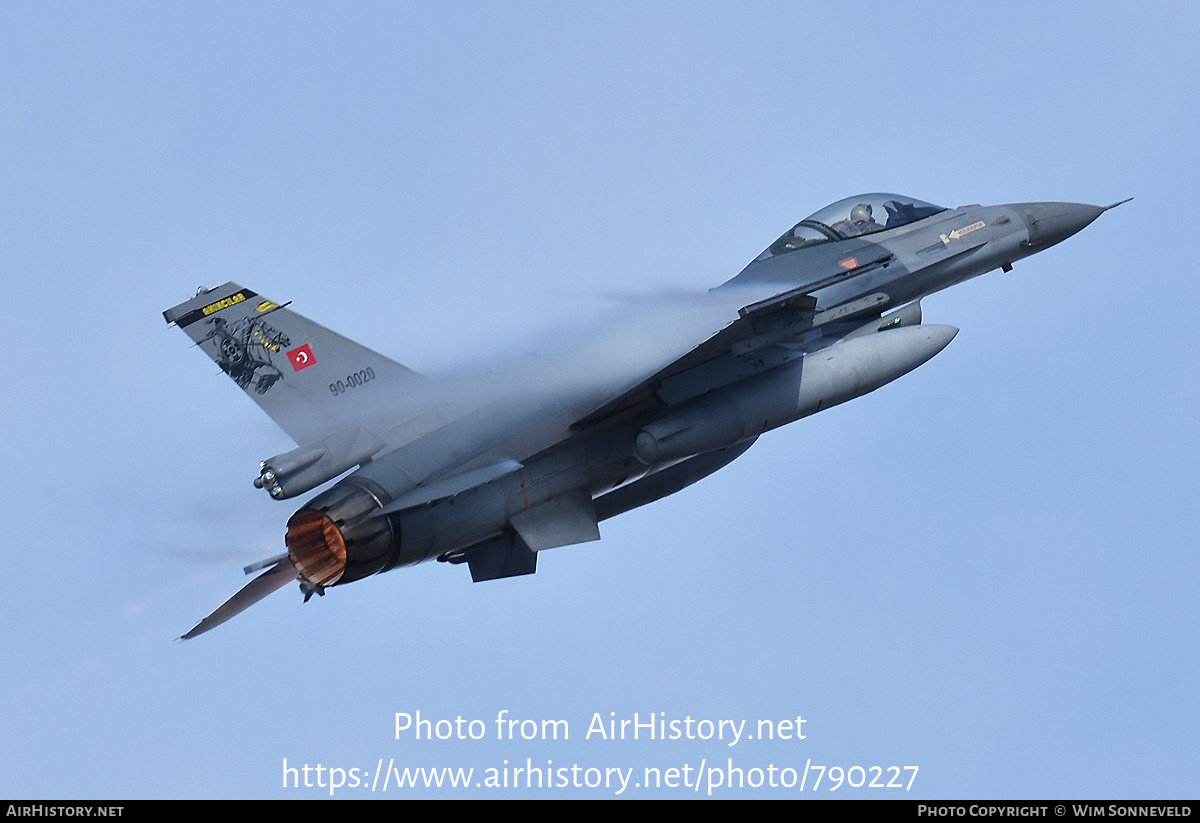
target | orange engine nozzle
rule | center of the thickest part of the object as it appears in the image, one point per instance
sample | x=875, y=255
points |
x=316, y=547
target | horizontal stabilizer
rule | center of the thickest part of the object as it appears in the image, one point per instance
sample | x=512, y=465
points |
x=274, y=578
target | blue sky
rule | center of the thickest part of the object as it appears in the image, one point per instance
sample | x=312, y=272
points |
x=986, y=570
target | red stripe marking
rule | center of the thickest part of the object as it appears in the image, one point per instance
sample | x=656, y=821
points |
x=524, y=491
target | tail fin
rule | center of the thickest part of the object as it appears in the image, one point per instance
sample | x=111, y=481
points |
x=308, y=379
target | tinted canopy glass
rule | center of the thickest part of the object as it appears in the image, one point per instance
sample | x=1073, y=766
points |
x=852, y=217
x=868, y=213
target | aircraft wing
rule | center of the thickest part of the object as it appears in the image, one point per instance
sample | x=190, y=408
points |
x=651, y=358
x=744, y=346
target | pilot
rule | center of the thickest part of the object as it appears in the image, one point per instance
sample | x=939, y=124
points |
x=861, y=222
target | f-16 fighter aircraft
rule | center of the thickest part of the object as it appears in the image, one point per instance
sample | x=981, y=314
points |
x=492, y=474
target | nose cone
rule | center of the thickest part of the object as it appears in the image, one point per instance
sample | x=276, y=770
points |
x=1051, y=223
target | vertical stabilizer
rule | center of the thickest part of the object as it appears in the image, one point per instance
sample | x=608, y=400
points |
x=308, y=379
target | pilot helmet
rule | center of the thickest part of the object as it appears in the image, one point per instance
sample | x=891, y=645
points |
x=861, y=214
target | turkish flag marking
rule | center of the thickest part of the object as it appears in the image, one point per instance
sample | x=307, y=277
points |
x=301, y=358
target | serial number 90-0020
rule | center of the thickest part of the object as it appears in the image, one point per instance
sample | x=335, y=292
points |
x=351, y=381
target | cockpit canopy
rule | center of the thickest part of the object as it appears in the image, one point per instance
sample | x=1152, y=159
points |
x=852, y=217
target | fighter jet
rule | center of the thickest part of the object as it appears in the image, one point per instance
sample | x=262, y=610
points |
x=490, y=473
